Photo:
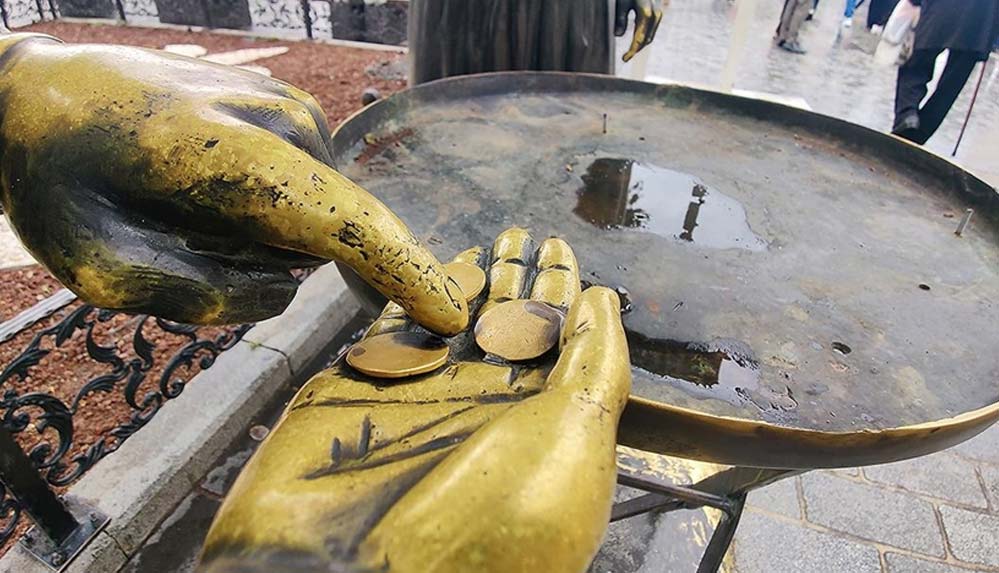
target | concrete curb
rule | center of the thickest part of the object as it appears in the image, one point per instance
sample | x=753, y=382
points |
x=142, y=482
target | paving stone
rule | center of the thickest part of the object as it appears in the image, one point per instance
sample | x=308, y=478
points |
x=872, y=512
x=780, y=497
x=942, y=475
x=973, y=536
x=982, y=448
x=773, y=545
x=850, y=472
x=898, y=563
x=991, y=476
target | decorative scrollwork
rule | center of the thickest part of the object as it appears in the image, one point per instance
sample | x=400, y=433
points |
x=123, y=367
x=10, y=512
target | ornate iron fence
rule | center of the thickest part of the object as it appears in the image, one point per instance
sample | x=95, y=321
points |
x=383, y=22
x=140, y=361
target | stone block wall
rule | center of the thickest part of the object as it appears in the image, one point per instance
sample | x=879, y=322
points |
x=378, y=21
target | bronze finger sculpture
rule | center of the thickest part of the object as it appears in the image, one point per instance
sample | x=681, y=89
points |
x=158, y=184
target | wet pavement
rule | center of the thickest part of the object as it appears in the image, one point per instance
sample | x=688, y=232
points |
x=839, y=75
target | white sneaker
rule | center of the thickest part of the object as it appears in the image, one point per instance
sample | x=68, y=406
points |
x=875, y=29
x=847, y=22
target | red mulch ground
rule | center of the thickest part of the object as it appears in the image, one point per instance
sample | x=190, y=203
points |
x=335, y=75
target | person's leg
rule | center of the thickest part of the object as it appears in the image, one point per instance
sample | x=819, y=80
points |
x=795, y=12
x=910, y=88
x=959, y=67
x=851, y=7
x=785, y=20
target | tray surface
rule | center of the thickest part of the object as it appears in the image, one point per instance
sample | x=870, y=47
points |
x=786, y=270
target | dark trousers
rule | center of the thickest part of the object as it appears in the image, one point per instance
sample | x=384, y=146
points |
x=879, y=12
x=910, y=89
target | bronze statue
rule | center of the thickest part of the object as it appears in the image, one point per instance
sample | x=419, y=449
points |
x=158, y=184
x=456, y=37
x=155, y=183
x=478, y=466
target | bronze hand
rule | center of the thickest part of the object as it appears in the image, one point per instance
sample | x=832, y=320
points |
x=648, y=15
x=478, y=466
x=155, y=183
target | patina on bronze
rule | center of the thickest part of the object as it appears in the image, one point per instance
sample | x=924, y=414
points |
x=518, y=329
x=398, y=354
x=476, y=466
x=154, y=183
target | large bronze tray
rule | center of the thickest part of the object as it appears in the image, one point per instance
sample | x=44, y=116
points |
x=800, y=297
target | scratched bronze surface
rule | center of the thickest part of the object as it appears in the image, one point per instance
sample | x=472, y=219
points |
x=798, y=295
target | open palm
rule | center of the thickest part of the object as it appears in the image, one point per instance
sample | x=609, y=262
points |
x=477, y=466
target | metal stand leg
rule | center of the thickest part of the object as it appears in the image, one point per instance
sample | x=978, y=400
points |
x=721, y=540
x=61, y=530
x=725, y=491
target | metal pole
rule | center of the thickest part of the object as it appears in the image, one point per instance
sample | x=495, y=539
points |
x=32, y=493
x=971, y=106
x=307, y=17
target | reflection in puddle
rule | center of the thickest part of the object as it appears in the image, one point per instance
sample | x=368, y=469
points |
x=721, y=370
x=620, y=193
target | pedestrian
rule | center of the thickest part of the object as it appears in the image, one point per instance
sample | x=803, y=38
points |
x=456, y=37
x=967, y=29
x=791, y=18
x=879, y=12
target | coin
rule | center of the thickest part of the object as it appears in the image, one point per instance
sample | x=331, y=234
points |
x=398, y=354
x=518, y=329
x=470, y=278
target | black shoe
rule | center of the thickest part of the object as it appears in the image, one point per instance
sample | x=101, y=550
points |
x=793, y=47
x=907, y=126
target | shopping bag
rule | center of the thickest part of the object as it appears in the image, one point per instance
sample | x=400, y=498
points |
x=903, y=19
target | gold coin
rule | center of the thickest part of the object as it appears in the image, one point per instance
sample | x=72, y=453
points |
x=398, y=354
x=470, y=278
x=518, y=329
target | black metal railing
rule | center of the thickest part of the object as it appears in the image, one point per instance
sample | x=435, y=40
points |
x=140, y=362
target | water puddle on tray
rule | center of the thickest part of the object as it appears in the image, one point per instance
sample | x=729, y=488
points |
x=721, y=370
x=623, y=193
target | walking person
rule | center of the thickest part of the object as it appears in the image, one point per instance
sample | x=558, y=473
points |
x=879, y=12
x=968, y=29
x=791, y=18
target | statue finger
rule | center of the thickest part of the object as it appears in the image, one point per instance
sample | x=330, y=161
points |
x=247, y=181
x=295, y=118
x=621, y=10
x=393, y=317
x=513, y=251
x=110, y=261
x=594, y=351
x=642, y=18
x=655, y=26
x=557, y=282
